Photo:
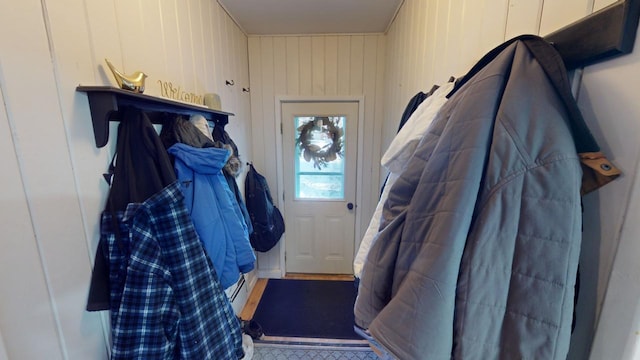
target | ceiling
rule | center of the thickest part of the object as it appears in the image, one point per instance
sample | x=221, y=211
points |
x=275, y=17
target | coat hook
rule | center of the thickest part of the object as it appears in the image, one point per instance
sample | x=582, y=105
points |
x=246, y=89
x=230, y=82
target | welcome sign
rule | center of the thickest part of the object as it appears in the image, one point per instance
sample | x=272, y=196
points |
x=168, y=90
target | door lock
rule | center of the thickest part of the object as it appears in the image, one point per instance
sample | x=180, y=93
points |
x=350, y=206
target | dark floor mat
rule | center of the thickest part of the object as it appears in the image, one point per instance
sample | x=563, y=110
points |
x=307, y=308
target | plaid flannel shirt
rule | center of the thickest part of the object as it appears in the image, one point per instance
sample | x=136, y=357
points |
x=166, y=300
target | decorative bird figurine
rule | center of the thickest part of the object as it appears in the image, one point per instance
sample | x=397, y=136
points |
x=133, y=82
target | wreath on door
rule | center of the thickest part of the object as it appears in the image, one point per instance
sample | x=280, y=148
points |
x=320, y=141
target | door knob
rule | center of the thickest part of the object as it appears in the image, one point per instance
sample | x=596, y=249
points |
x=350, y=206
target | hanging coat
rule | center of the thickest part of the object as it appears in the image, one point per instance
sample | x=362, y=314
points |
x=166, y=302
x=142, y=169
x=480, y=237
x=396, y=158
x=215, y=213
x=233, y=167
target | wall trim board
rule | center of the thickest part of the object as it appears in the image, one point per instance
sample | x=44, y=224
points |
x=315, y=35
x=270, y=274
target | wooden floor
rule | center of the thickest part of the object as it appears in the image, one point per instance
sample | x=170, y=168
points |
x=254, y=298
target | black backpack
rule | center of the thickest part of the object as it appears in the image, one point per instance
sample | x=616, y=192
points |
x=268, y=225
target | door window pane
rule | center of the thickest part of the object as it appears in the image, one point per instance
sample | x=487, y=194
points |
x=319, y=163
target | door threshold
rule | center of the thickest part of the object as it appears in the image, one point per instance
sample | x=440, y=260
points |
x=335, y=277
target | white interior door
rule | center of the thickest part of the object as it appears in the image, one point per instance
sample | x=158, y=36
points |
x=319, y=163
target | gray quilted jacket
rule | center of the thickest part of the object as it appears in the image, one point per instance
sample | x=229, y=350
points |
x=480, y=237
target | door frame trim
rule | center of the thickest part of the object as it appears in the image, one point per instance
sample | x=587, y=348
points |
x=281, y=99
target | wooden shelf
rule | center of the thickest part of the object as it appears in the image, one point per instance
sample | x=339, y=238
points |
x=606, y=33
x=105, y=101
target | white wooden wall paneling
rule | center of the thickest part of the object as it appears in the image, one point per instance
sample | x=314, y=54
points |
x=240, y=125
x=394, y=77
x=23, y=309
x=291, y=65
x=255, y=70
x=599, y=4
x=416, y=52
x=134, y=49
x=344, y=51
x=272, y=258
x=153, y=60
x=356, y=87
x=274, y=69
x=209, y=75
x=231, y=56
x=453, y=53
x=49, y=186
x=244, y=121
x=331, y=65
x=306, y=66
x=442, y=42
x=231, y=91
x=185, y=49
x=429, y=43
x=174, y=71
x=611, y=214
x=558, y=13
x=268, y=131
x=317, y=65
x=356, y=70
x=472, y=47
x=238, y=128
x=493, y=25
x=370, y=166
x=220, y=32
x=617, y=333
x=426, y=27
x=197, y=38
x=214, y=24
x=611, y=111
x=405, y=47
x=105, y=43
x=104, y=40
x=377, y=172
x=521, y=18
x=424, y=31
x=73, y=49
x=281, y=75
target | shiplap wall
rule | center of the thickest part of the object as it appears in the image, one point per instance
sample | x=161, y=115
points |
x=609, y=102
x=432, y=40
x=315, y=66
x=52, y=189
x=429, y=41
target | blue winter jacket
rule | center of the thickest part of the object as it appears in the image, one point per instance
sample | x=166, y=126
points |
x=214, y=210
